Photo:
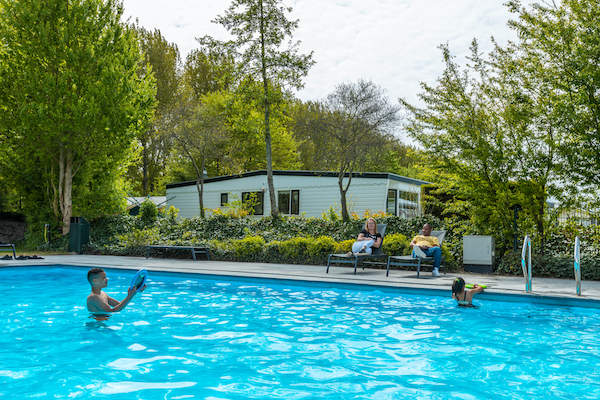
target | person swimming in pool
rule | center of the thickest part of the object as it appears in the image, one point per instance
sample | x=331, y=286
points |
x=98, y=302
x=462, y=296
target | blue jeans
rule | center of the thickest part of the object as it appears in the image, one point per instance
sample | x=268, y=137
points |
x=434, y=252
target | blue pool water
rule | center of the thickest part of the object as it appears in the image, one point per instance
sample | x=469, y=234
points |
x=189, y=337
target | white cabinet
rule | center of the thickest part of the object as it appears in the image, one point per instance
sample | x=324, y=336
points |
x=478, y=253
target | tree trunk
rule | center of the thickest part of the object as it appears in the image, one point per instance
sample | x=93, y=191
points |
x=199, y=183
x=273, y=200
x=202, y=187
x=145, y=185
x=65, y=187
x=344, y=205
x=540, y=220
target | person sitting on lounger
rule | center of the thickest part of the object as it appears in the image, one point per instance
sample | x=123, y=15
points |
x=425, y=245
x=367, y=239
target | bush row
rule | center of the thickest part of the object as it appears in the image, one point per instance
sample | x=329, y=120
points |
x=310, y=240
x=549, y=266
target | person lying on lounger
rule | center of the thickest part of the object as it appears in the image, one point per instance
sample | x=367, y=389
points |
x=367, y=239
x=99, y=302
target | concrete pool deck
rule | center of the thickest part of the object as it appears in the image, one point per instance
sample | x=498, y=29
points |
x=542, y=287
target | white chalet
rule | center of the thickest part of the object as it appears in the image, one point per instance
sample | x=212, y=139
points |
x=308, y=193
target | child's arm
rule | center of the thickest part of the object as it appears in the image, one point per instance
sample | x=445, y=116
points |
x=113, y=302
x=472, y=292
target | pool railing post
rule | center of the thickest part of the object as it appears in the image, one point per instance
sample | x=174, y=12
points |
x=577, y=265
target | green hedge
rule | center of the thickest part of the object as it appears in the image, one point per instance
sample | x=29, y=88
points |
x=550, y=266
x=285, y=240
x=309, y=240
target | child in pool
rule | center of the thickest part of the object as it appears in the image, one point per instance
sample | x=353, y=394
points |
x=462, y=296
x=99, y=302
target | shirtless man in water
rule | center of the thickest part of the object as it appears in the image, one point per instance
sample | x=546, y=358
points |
x=99, y=302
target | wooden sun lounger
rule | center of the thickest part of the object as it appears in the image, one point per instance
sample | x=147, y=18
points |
x=194, y=249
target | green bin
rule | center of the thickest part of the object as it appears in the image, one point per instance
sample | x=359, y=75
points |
x=79, y=234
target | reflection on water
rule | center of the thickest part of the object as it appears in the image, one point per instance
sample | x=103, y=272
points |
x=98, y=322
x=100, y=317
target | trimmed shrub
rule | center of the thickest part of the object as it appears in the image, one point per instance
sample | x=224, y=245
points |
x=148, y=212
x=549, y=266
x=295, y=248
x=140, y=237
x=249, y=248
x=320, y=247
x=396, y=244
x=344, y=246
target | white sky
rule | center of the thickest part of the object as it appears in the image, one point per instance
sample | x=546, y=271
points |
x=392, y=42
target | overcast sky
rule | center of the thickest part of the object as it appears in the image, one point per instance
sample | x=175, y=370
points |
x=392, y=42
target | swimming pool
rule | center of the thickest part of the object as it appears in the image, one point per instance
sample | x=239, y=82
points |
x=191, y=337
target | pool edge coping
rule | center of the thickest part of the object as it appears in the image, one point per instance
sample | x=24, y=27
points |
x=490, y=294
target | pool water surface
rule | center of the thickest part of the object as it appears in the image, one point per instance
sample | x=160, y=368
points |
x=194, y=337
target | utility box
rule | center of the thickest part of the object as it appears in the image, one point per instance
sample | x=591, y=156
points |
x=478, y=254
x=79, y=234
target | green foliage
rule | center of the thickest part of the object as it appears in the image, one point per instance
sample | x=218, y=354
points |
x=140, y=237
x=249, y=248
x=344, y=246
x=153, y=145
x=396, y=244
x=491, y=144
x=73, y=95
x=557, y=42
x=553, y=266
x=319, y=246
x=148, y=212
x=295, y=248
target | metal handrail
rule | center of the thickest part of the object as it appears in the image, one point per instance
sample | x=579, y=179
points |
x=577, y=266
x=526, y=266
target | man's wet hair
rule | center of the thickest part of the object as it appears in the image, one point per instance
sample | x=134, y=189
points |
x=92, y=274
x=458, y=285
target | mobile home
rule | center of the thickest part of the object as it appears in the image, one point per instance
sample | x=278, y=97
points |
x=308, y=193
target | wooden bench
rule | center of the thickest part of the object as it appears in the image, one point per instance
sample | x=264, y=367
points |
x=194, y=249
x=9, y=247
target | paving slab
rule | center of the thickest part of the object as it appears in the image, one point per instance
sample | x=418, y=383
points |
x=555, y=289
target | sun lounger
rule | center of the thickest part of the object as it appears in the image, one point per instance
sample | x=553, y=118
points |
x=356, y=259
x=194, y=249
x=8, y=247
x=410, y=261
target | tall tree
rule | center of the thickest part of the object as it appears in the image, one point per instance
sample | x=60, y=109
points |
x=359, y=120
x=486, y=132
x=74, y=94
x=558, y=43
x=260, y=28
x=155, y=145
x=200, y=128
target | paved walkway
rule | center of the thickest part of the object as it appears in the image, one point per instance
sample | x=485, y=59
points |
x=543, y=288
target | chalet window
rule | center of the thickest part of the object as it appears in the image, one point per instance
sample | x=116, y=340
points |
x=295, y=202
x=283, y=201
x=288, y=202
x=224, y=199
x=256, y=200
x=392, y=202
x=408, y=204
